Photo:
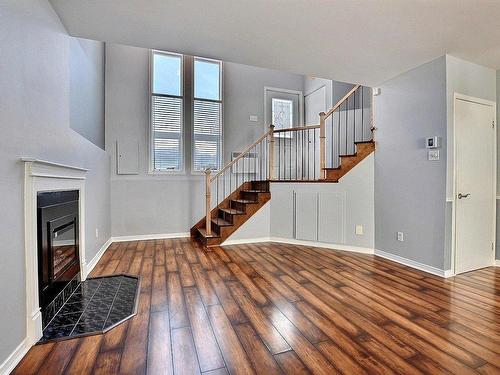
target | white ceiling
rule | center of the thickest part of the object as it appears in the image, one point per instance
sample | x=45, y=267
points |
x=360, y=41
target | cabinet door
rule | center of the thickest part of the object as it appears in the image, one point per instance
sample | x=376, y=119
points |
x=127, y=157
x=306, y=216
x=331, y=217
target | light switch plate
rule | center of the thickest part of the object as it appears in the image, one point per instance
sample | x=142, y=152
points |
x=401, y=236
x=359, y=229
x=254, y=118
x=433, y=155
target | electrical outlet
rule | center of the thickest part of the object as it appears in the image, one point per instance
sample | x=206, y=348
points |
x=401, y=236
x=359, y=230
x=96, y=233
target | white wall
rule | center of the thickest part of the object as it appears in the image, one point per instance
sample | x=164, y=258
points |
x=258, y=227
x=159, y=204
x=358, y=188
x=34, y=122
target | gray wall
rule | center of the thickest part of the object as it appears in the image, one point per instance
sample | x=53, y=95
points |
x=34, y=122
x=410, y=191
x=244, y=96
x=143, y=203
x=158, y=204
x=86, y=87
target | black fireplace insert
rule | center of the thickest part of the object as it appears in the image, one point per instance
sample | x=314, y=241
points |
x=58, y=249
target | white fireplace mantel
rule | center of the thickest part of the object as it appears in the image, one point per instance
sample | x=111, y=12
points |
x=39, y=176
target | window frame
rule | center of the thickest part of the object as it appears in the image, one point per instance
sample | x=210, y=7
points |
x=151, y=169
x=220, y=101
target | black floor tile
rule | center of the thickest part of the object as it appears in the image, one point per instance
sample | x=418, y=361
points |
x=95, y=306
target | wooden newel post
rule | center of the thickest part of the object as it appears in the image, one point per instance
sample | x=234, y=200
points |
x=208, y=200
x=322, y=120
x=271, y=152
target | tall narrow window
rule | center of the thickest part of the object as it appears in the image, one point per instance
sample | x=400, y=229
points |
x=166, y=112
x=207, y=114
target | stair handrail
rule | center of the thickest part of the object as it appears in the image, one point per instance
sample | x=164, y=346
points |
x=322, y=133
x=210, y=179
x=340, y=102
x=243, y=153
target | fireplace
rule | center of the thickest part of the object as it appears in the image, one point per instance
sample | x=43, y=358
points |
x=58, y=249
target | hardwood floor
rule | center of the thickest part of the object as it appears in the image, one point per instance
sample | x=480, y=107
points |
x=274, y=308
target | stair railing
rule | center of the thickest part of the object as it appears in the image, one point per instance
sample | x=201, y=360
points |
x=294, y=154
x=351, y=122
x=255, y=163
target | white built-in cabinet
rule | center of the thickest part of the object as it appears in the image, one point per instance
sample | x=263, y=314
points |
x=319, y=216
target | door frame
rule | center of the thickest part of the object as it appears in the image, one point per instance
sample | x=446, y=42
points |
x=492, y=104
x=284, y=91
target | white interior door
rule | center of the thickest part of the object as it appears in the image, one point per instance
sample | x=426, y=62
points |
x=314, y=103
x=475, y=177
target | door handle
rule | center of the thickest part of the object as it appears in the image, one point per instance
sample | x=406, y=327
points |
x=460, y=195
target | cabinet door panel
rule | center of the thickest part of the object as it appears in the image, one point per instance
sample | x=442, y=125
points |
x=331, y=217
x=306, y=216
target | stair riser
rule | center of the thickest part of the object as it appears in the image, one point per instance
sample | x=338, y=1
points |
x=226, y=216
x=217, y=228
x=238, y=206
x=209, y=241
x=260, y=185
x=250, y=196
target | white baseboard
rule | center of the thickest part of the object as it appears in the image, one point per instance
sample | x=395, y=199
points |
x=292, y=241
x=142, y=237
x=14, y=358
x=356, y=249
x=413, y=264
x=448, y=273
x=497, y=262
x=245, y=241
x=97, y=257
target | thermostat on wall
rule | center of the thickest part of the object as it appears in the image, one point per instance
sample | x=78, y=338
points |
x=432, y=142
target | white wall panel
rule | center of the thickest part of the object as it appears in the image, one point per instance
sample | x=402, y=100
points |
x=331, y=217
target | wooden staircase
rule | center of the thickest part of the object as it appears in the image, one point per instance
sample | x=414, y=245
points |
x=348, y=162
x=283, y=155
x=233, y=212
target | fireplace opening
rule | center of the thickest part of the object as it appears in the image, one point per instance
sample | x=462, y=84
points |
x=58, y=256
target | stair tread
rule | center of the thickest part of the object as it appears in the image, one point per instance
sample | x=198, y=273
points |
x=221, y=222
x=232, y=211
x=348, y=155
x=244, y=201
x=203, y=232
x=361, y=142
x=254, y=191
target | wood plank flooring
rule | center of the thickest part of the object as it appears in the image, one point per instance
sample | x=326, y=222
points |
x=274, y=308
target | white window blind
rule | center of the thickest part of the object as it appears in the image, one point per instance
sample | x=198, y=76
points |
x=207, y=115
x=166, y=112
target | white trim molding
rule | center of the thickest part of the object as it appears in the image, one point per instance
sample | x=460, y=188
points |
x=414, y=264
x=356, y=249
x=245, y=241
x=497, y=263
x=14, y=358
x=143, y=237
x=97, y=257
x=39, y=176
